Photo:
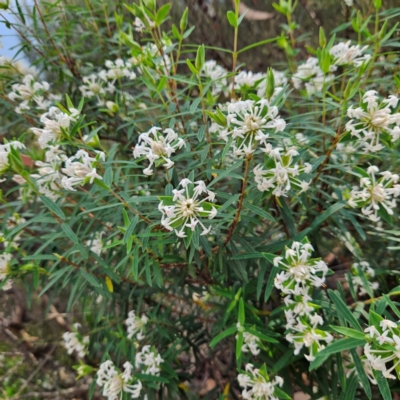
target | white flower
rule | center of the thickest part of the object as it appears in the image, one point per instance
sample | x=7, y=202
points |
x=114, y=383
x=247, y=79
x=374, y=195
x=280, y=175
x=299, y=271
x=54, y=122
x=5, y=150
x=95, y=245
x=80, y=170
x=345, y=54
x=312, y=76
x=135, y=325
x=250, y=123
x=75, y=342
x=185, y=209
x=117, y=70
x=257, y=385
x=4, y=263
x=156, y=146
x=150, y=359
x=372, y=119
x=383, y=351
x=28, y=92
x=217, y=76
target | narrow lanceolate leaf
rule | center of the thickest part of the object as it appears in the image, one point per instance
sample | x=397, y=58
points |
x=361, y=373
x=348, y=332
x=70, y=233
x=242, y=315
x=383, y=385
x=52, y=206
x=335, y=347
x=131, y=228
x=222, y=335
x=344, y=311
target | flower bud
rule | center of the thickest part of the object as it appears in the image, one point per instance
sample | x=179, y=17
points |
x=113, y=107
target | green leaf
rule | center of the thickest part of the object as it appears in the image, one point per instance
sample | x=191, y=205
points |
x=361, y=373
x=270, y=283
x=281, y=394
x=335, y=347
x=162, y=13
x=52, y=206
x=239, y=344
x=394, y=308
x=70, y=233
x=343, y=310
x=232, y=18
x=260, y=335
x=89, y=277
x=266, y=41
x=192, y=67
x=259, y=211
x=348, y=332
x=222, y=335
x=131, y=228
x=242, y=315
x=383, y=385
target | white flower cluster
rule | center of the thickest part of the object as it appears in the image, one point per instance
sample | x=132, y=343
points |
x=136, y=325
x=257, y=385
x=158, y=148
x=217, y=75
x=356, y=280
x=299, y=271
x=376, y=196
x=312, y=76
x=96, y=244
x=55, y=121
x=48, y=178
x=384, y=348
x=95, y=86
x=151, y=57
x=31, y=93
x=150, y=359
x=4, y=264
x=115, y=383
x=116, y=70
x=373, y=119
x=249, y=123
x=81, y=169
x=281, y=175
x=184, y=209
x=346, y=54
x=73, y=341
x=5, y=150
x=300, y=274
x=250, y=341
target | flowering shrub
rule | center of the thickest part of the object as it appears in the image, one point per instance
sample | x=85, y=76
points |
x=202, y=218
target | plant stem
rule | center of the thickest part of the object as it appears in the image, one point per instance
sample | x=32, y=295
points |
x=242, y=196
